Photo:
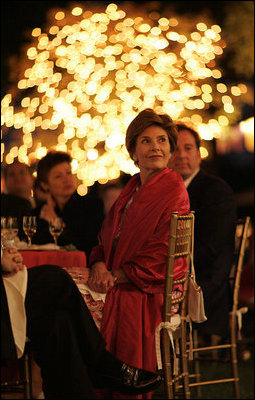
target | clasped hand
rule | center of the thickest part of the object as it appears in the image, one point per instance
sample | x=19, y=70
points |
x=100, y=279
x=11, y=261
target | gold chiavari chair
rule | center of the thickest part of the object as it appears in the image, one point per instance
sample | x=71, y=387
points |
x=174, y=327
x=235, y=316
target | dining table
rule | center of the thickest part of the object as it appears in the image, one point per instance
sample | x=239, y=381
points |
x=66, y=259
x=75, y=263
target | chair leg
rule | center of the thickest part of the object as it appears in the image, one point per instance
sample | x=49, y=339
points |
x=196, y=364
x=215, y=341
x=27, y=375
x=184, y=358
x=167, y=366
x=234, y=355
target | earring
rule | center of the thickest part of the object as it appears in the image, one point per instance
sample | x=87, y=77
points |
x=135, y=159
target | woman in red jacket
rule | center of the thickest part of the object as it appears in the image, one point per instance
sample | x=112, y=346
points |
x=129, y=264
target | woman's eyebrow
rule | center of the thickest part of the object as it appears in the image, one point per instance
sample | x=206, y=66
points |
x=144, y=137
x=159, y=136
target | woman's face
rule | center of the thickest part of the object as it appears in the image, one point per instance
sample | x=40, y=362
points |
x=152, y=150
x=61, y=181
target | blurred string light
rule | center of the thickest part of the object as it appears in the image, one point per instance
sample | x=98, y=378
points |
x=247, y=128
x=82, y=83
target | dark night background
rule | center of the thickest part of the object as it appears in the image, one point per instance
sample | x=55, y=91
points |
x=20, y=17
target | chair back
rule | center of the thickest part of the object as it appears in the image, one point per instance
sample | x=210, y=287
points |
x=241, y=235
x=180, y=245
x=235, y=324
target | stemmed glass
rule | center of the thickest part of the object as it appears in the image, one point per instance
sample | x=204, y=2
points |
x=3, y=231
x=56, y=227
x=29, y=227
x=9, y=230
x=12, y=227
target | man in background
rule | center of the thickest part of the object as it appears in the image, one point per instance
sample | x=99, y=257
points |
x=17, y=200
x=109, y=195
x=215, y=216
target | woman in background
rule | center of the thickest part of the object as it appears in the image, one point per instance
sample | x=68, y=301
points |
x=82, y=215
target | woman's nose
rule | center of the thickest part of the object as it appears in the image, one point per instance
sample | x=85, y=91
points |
x=155, y=145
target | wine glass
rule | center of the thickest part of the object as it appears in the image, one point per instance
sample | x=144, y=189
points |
x=29, y=227
x=56, y=227
x=9, y=230
x=3, y=231
x=12, y=227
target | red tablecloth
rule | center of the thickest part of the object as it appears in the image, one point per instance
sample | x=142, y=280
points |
x=74, y=262
x=63, y=258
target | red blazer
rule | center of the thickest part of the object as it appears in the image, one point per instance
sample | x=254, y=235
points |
x=133, y=310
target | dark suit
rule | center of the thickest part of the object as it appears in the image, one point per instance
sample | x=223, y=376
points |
x=64, y=338
x=14, y=206
x=83, y=216
x=215, y=217
x=8, y=349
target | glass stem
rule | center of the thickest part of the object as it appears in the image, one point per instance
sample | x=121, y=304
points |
x=29, y=241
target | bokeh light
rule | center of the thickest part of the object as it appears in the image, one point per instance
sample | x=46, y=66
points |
x=80, y=84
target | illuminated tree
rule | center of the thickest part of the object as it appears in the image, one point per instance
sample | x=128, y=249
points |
x=81, y=82
x=241, y=57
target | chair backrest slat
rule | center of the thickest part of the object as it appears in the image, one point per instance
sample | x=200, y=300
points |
x=180, y=245
x=241, y=235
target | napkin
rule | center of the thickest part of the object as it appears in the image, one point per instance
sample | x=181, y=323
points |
x=20, y=245
x=16, y=287
x=48, y=246
x=96, y=296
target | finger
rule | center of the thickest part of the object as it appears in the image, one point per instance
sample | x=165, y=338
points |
x=102, y=289
x=18, y=258
x=105, y=286
x=92, y=280
x=19, y=264
x=15, y=259
x=92, y=284
x=111, y=284
x=12, y=250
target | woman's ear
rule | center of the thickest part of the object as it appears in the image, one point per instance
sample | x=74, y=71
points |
x=135, y=159
x=44, y=187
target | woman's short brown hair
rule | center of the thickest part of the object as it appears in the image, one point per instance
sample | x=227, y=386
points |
x=49, y=161
x=142, y=121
